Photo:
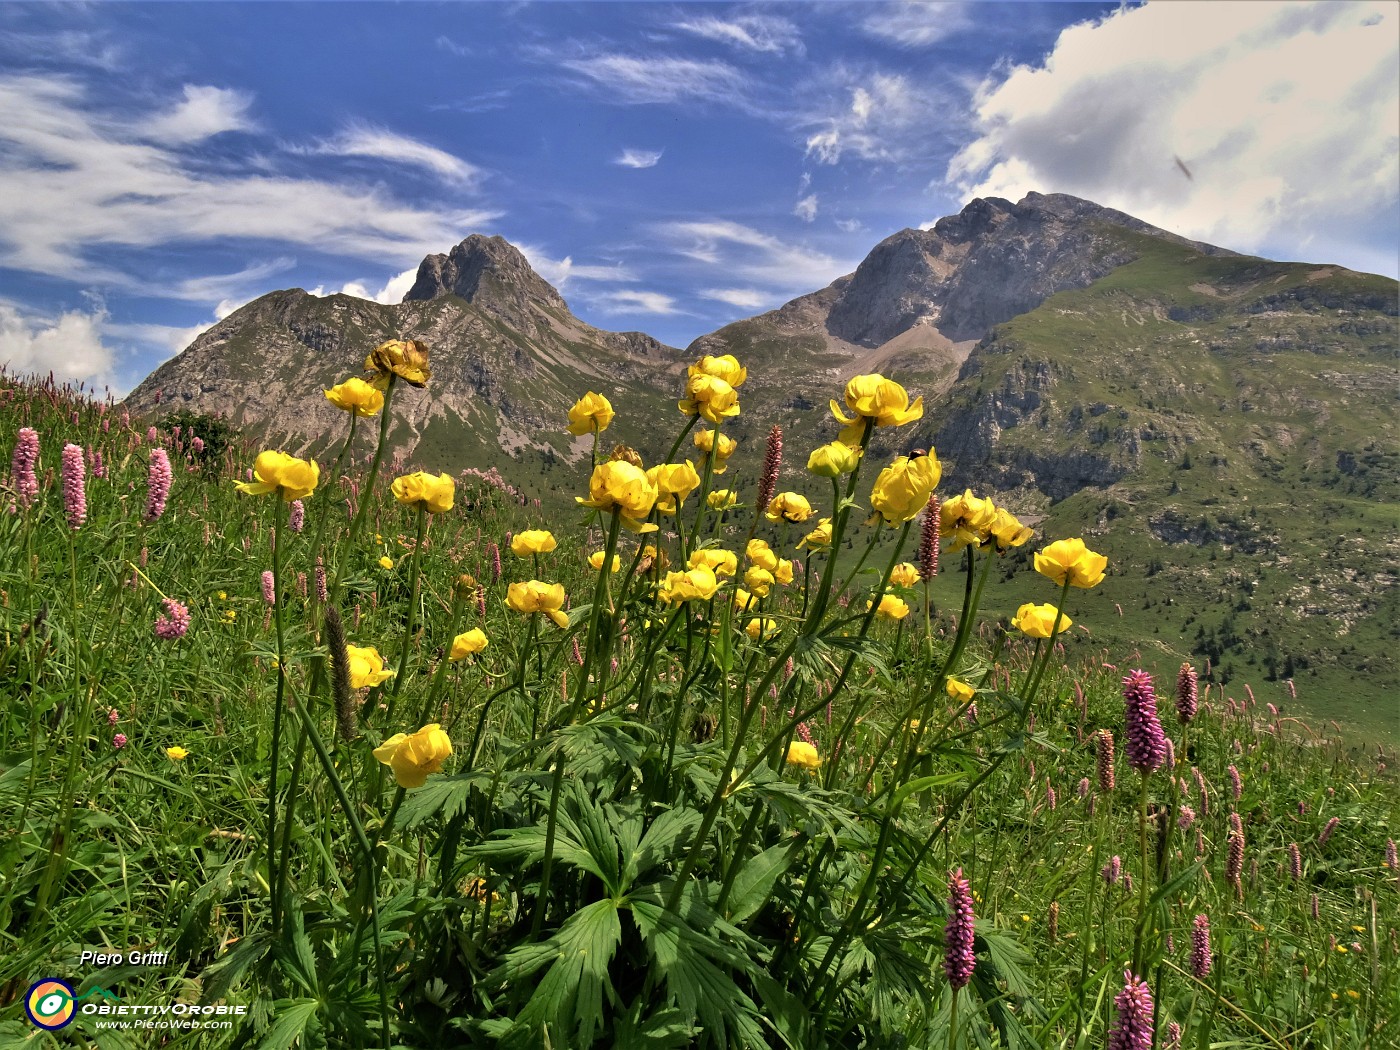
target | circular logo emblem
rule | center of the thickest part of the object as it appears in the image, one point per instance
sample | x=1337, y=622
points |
x=49, y=1004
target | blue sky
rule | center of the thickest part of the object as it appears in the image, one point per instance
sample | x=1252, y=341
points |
x=670, y=167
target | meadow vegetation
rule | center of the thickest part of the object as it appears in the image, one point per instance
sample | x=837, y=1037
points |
x=395, y=761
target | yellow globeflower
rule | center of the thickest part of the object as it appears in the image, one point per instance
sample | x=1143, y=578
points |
x=357, y=396
x=721, y=563
x=960, y=691
x=674, y=482
x=402, y=357
x=434, y=494
x=366, y=666
x=624, y=486
x=1008, y=531
x=533, y=541
x=833, y=460
x=904, y=574
x=1070, y=559
x=596, y=560
x=591, y=414
x=759, y=580
x=692, y=585
x=289, y=477
x=413, y=757
x=783, y=573
x=536, y=597
x=705, y=442
x=804, y=755
x=819, y=537
x=762, y=555
x=903, y=488
x=710, y=398
x=967, y=520
x=879, y=400
x=891, y=608
x=468, y=643
x=176, y=753
x=386, y=562
x=1037, y=621
x=789, y=506
x=743, y=600
x=721, y=499
x=761, y=628
x=726, y=368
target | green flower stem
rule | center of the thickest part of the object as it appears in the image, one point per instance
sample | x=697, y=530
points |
x=705, y=480
x=371, y=868
x=324, y=511
x=279, y=889
x=1140, y=929
x=838, y=533
x=690, y=424
x=367, y=493
x=274, y=862
x=439, y=675
x=413, y=575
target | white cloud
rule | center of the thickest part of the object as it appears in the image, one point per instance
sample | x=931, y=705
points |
x=247, y=282
x=887, y=117
x=168, y=340
x=395, y=288
x=203, y=113
x=627, y=79
x=363, y=140
x=753, y=255
x=1284, y=114
x=806, y=207
x=70, y=345
x=631, y=302
x=638, y=158
x=760, y=33
x=850, y=225
x=74, y=178
x=744, y=298
x=563, y=272
x=915, y=25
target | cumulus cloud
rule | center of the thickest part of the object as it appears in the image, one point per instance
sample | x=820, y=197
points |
x=638, y=158
x=633, y=302
x=70, y=344
x=758, y=33
x=639, y=80
x=806, y=207
x=76, y=178
x=1285, y=116
x=744, y=298
x=393, y=291
x=363, y=140
x=203, y=113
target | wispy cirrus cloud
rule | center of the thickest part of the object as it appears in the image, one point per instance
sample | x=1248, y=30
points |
x=563, y=272
x=915, y=25
x=638, y=158
x=365, y=140
x=762, y=34
x=884, y=117
x=635, y=302
x=758, y=257
x=64, y=152
x=638, y=80
x=744, y=298
x=203, y=113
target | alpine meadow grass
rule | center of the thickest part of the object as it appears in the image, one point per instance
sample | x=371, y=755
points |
x=420, y=763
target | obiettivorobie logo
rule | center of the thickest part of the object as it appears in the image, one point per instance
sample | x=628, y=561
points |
x=52, y=1004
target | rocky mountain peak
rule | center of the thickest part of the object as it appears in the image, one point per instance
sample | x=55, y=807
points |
x=489, y=272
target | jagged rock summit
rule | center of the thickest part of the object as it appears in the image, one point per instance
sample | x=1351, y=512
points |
x=506, y=354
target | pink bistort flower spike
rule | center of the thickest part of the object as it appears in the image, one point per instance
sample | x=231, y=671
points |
x=159, y=477
x=74, y=474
